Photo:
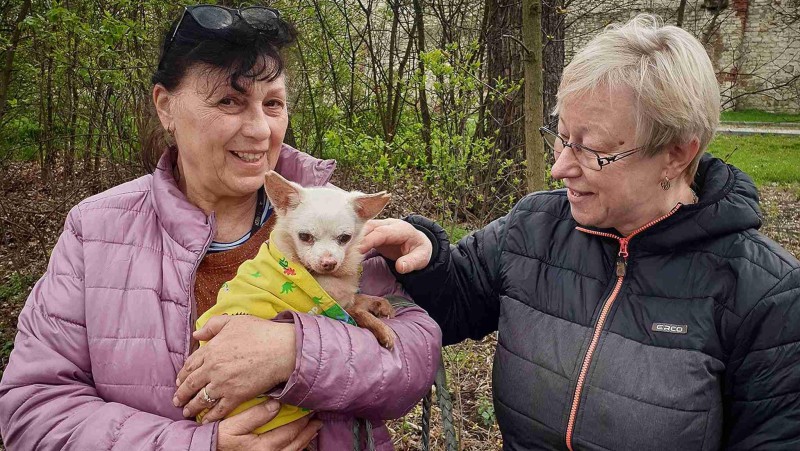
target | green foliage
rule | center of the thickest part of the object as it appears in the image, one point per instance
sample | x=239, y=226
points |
x=486, y=412
x=758, y=116
x=19, y=139
x=456, y=233
x=12, y=292
x=80, y=79
x=17, y=286
x=463, y=168
x=766, y=158
x=81, y=91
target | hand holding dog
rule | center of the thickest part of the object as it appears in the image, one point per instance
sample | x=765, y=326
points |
x=236, y=432
x=245, y=356
x=399, y=241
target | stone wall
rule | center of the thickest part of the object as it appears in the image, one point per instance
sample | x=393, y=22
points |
x=753, y=44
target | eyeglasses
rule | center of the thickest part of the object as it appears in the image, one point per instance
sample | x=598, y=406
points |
x=588, y=158
x=214, y=17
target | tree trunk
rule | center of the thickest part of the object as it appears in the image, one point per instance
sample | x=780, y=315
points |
x=553, y=24
x=317, y=148
x=289, y=138
x=504, y=68
x=102, y=129
x=8, y=64
x=681, y=11
x=74, y=100
x=423, y=96
x=534, y=147
x=49, y=149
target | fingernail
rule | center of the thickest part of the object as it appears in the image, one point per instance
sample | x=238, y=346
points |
x=177, y=382
x=175, y=402
x=404, y=267
x=205, y=420
x=186, y=412
x=273, y=406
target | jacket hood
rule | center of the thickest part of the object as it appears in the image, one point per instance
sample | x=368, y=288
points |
x=728, y=203
x=188, y=225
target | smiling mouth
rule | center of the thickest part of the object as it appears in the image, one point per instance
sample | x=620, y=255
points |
x=578, y=193
x=249, y=157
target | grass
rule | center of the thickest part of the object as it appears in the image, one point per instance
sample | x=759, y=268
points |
x=18, y=285
x=455, y=232
x=13, y=290
x=758, y=116
x=766, y=158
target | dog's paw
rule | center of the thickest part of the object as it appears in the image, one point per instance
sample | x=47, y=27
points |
x=378, y=306
x=387, y=341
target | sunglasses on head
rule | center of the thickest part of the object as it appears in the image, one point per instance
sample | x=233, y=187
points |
x=215, y=17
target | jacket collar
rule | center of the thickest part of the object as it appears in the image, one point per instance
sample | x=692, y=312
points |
x=189, y=226
x=728, y=203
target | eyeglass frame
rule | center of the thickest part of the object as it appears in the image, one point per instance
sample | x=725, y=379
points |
x=187, y=9
x=601, y=161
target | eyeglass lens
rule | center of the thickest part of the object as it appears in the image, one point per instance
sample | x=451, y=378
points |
x=258, y=17
x=212, y=17
x=585, y=158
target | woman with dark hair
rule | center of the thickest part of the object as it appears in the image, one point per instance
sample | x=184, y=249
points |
x=105, y=356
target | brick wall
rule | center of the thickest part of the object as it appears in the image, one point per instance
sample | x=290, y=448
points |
x=754, y=46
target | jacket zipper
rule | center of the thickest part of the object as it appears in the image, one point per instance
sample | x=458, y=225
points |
x=621, y=267
x=192, y=299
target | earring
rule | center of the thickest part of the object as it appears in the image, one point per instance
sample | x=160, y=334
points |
x=171, y=130
x=665, y=184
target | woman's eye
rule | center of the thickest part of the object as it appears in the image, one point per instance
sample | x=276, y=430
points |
x=343, y=239
x=226, y=101
x=274, y=104
x=305, y=237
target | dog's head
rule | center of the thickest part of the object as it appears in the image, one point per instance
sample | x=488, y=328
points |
x=322, y=225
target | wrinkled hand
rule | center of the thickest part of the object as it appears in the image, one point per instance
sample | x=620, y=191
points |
x=245, y=356
x=236, y=432
x=398, y=240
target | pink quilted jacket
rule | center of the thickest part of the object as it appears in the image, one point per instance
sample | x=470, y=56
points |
x=106, y=329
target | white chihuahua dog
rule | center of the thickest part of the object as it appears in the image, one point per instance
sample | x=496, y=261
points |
x=320, y=228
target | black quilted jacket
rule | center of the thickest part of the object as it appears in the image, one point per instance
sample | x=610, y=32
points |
x=683, y=336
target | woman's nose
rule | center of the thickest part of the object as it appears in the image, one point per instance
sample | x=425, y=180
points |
x=566, y=166
x=257, y=126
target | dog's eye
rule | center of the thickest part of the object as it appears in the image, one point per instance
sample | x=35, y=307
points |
x=343, y=239
x=305, y=237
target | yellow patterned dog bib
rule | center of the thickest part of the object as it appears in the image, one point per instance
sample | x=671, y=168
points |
x=263, y=287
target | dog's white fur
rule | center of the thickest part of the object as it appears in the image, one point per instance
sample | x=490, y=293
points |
x=327, y=216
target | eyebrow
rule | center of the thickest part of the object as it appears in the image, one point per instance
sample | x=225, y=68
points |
x=581, y=128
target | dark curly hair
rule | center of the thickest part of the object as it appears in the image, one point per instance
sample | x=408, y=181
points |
x=241, y=51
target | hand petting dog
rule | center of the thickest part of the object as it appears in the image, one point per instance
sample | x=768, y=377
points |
x=320, y=228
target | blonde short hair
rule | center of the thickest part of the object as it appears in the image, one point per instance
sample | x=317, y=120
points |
x=668, y=71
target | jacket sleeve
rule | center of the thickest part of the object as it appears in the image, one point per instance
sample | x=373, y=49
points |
x=762, y=384
x=47, y=397
x=342, y=368
x=459, y=288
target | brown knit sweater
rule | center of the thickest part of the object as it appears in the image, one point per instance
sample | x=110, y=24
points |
x=220, y=267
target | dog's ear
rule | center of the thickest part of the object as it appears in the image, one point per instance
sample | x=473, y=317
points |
x=283, y=194
x=367, y=206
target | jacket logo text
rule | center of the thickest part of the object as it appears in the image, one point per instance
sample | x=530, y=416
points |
x=670, y=328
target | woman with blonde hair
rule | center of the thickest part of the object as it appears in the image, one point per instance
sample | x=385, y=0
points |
x=639, y=307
